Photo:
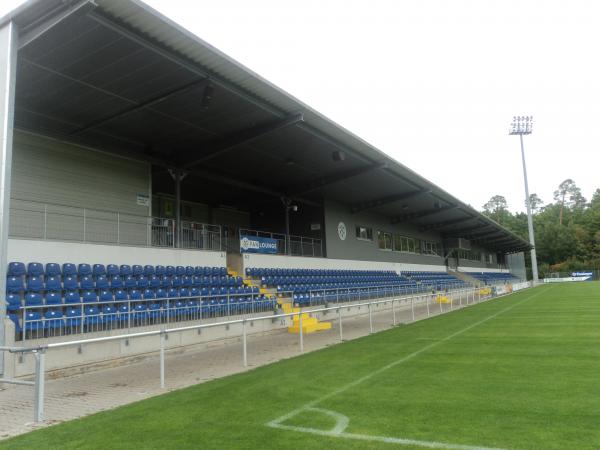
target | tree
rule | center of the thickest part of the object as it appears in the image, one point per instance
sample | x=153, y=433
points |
x=534, y=202
x=497, y=208
x=568, y=195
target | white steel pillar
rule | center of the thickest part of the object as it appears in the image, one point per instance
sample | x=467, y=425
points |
x=8, y=74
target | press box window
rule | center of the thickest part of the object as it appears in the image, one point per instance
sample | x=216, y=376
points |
x=384, y=240
x=364, y=233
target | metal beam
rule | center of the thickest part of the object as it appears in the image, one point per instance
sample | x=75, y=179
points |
x=194, y=68
x=144, y=105
x=9, y=42
x=224, y=179
x=447, y=223
x=221, y=145
x=50, y=20
x=421, y=214
x=334, y=178
x=113, y=94
x=375, y=203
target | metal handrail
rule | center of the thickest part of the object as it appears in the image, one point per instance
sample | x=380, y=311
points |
x=286, y=241
x=40, y=351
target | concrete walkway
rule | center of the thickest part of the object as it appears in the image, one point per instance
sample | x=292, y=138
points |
x=80, y=395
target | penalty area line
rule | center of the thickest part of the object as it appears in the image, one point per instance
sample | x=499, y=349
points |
x=278, y=422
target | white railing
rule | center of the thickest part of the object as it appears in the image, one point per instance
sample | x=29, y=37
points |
x=458, y=299
x=45, y=221
x=291, y=245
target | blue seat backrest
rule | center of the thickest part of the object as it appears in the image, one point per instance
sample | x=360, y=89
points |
x=84, y=270
x=32, y=299
x=112, y=270
x=69, y=269
x=52, y=269
x=125, y=270
x=170, y=271
x=106, y=296
x=89, y=297
x=98, y=270
x=160, y=271
x=35, y=269
x=137, y=270
x=16, y=269
x=149, y=270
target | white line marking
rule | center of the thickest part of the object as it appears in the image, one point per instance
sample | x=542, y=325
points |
x=278, y=423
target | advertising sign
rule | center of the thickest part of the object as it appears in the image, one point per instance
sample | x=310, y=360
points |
x=255, y=244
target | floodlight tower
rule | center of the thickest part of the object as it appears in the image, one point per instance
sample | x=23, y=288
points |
x=523, y=125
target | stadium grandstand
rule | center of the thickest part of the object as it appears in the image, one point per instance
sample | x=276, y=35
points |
x=148, y=178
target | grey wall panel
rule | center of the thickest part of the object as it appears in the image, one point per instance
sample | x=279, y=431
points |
x=64, y=192
x=356, y=249
x=516, y=264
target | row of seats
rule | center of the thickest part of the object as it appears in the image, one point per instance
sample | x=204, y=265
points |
x=436, y=279
x=18, y=269
x=15, y=302
x=35, y=283
x=89, y=317
x=493, y=277
x=259, y=272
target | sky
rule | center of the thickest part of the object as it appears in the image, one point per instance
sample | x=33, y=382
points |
x=432, y=83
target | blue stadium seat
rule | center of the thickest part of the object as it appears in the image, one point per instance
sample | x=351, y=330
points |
x=112, y=270
x=84, y=270
x=14, y=302
x=106, y=296
x=148, y=270
x=89, y=297
x=53, y=319
x=16, y=269
x=98, y=269
x=69, y=269
x=86, y=282
x=53, y=298
x=35, y=283
x=73, y=318
x=53, y=283
x=116, y=282
x=53, y=270
x=35, y=269
x=160, y=271
x=170, y=271
x=72, y=297
x=92, y=316
x=137, y=270
x=15, y=284
x=70, y=283
x=125, y=270
x=102, y=282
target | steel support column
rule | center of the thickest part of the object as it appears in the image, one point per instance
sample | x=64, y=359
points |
x=8, y=63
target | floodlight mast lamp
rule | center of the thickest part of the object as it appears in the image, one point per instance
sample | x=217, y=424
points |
x=524, y=125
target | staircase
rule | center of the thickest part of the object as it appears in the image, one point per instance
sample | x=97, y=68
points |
x=466, y=278
x=309, y=324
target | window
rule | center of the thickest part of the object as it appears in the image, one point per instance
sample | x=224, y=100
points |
x=384, y=240
x=364, y=233
x=404, y=244
x=430, y=248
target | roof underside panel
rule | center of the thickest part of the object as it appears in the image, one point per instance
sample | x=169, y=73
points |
x=117, y=75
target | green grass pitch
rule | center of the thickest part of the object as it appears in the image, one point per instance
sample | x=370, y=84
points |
x=520, y=372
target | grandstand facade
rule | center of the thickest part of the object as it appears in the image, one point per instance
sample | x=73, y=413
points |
x=141, y=165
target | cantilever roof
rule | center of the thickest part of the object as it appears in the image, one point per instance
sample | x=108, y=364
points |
x=119, y=75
